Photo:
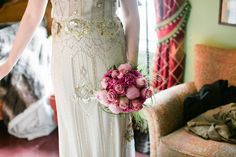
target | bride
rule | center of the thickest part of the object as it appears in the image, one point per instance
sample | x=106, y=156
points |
x=88, y=38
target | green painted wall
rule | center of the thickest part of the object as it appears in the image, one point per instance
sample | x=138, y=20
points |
x=203, y=27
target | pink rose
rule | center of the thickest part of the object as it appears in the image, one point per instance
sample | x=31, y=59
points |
x=112, y=96
x=146, y=93
x=132, y=93
x=124, y=103
x=137, y=73
x=108, y=73
x=114, y=73
x=130, y=79
x=102, y=97
x=124, y=68
x=119, y=88
x=104, y=82
x=141, y=82
x=114, y=109
x=120, y=76
x=137, y=103
x=112, y=83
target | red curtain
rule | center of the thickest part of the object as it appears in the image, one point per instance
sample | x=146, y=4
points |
x=171, y=18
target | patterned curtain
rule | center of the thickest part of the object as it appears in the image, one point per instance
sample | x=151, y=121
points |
x=171, y=18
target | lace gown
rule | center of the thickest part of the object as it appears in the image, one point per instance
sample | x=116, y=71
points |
x=88, y=39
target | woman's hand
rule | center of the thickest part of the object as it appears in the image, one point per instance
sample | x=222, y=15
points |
x=5, y=68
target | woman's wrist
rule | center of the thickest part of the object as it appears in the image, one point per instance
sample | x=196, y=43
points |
x=133, y=64
x=9, y=63
x=132, y=58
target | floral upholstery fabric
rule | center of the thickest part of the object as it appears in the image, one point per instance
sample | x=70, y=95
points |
x=186, y=144
x=212, y=63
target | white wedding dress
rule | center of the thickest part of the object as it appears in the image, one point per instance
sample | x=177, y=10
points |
x=88, y=39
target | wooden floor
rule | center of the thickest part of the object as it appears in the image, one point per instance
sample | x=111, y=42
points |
x=43, y=147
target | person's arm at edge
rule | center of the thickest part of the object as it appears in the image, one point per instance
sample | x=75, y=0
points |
x=132, y=28
x=32, y=17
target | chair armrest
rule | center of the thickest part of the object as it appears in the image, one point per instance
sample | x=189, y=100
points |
x=165, y=113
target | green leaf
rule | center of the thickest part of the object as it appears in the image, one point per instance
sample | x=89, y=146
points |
x=140, y=123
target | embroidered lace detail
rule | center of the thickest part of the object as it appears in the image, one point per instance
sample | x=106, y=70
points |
x=56, y=28
x=129, y=135
x=83, y=28
x=84, y=81
x=92, y=10
x=85, y=92
x=100, y=4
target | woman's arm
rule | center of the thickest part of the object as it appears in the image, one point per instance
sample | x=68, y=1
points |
x=30, y=20
x=131, y=23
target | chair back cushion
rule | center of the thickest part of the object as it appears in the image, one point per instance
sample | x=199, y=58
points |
x=212, y=63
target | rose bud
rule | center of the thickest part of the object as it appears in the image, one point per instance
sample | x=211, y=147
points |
x=114, y=109
x=108, y=73
x=137, y=73
x=104, y=82
x=124, y=68
x=124, y=103
x=120, y=76
x=102, y=97
x=114, y=73
x=112, y=96
x=141, y=82
x=146, y=93
x=137, y=104
x=119, y=89
x=132, y=92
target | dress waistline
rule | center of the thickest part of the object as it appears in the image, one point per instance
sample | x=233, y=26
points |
x=81, y=27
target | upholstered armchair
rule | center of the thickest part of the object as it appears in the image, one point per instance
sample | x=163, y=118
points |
x=168, y=138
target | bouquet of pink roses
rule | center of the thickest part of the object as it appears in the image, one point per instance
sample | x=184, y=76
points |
x=124, y=90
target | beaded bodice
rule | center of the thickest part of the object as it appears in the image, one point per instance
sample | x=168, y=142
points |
x=84, y=17
x=84, y=9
